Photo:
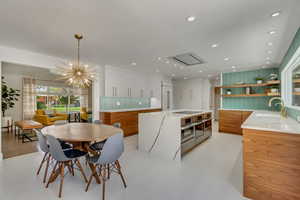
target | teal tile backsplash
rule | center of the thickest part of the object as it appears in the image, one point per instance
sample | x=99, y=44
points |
x=113, y=103
x=289, y=54
x=259, y=103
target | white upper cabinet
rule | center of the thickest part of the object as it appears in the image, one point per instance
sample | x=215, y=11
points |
x=128, y=83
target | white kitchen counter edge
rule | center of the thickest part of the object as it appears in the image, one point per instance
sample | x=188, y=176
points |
x=129, y=109
x=274, y=124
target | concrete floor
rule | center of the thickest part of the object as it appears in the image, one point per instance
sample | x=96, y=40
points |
x=212, y=171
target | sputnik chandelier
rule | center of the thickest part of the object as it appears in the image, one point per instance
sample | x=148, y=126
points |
x=76, y=73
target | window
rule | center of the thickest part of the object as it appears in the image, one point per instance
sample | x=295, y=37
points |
x=290, y=77
x=60, y=98
x=296, y=86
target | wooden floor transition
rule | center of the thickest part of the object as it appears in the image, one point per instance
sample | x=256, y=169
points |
x=12, y=146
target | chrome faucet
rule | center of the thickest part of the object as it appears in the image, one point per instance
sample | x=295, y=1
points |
x=283, y=111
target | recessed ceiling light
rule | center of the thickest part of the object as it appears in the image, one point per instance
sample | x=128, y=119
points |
x=159, y=58
x=185, y=78
x=191, y=18
x=275, y=14
x=233, y=67
x=214, y=45
x=167, y=62
x=270, y=44
x=268, y=58
x=268, y=62
x=200, y=71
x=175, y=65
x=173, y=75
x=157, y=70
x=226, y=59
x=269, y=52
x=272, y=32
x=134, y=64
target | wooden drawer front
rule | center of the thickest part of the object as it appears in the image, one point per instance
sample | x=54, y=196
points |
x=271, y=165
x=126, y=119
x=272, y=147
x=130, y=130
x=230, y=121
x=275, y=176
x=245, y=115
x=261, y=192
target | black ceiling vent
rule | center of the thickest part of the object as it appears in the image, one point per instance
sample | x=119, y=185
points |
x=188, y=59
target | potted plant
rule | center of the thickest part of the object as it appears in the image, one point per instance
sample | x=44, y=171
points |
x=259, y=80
x=9, y=97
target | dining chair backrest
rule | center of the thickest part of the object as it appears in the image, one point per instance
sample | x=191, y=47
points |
x=42, y=140
x=56, y=150
x=112, y=149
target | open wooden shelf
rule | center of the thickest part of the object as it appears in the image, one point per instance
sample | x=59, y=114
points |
x=252, y=85
x=252, y=95
x=296, y=81
x=296, y=93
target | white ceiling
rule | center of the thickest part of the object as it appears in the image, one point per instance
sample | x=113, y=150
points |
x=119, y=32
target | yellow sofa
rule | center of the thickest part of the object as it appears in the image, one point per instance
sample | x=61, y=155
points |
x=83, y=114
x=40, y=116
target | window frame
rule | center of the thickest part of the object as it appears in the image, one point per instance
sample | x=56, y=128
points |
x=287, y=80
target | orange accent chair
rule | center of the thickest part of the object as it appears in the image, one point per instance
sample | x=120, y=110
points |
x=47, y=120
x=84, y=114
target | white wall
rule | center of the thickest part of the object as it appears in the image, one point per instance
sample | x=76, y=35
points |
x=191, y=94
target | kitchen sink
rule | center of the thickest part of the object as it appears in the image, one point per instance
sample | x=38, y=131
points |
x=267, y=115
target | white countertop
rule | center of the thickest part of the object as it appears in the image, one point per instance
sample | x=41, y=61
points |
x=171, y=113
x=271, y=121
x=240, y=109
x=129, y=109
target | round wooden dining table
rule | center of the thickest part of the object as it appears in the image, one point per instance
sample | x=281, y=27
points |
x=81, y=134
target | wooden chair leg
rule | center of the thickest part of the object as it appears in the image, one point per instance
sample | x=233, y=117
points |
x=62, y=174
x=89, y=182
x=72, y=166
x=81, y=170
x=52, y=174
x=120, y=172
x=42, y=162
x=108, y=171
x=103, y=181
x=46, y=169
x=69, y=165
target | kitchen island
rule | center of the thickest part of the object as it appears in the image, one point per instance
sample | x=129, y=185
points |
x=171, y=134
